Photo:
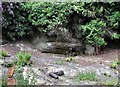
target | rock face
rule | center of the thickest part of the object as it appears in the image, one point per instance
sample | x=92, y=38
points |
x=89, y=50
x=62, y=48
x=59, y=47
x=51, y=45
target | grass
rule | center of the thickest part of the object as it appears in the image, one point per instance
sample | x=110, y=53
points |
x=91, y=76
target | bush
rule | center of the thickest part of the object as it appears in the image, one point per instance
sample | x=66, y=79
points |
x=50, y=14
x=98, y=19
x=15, y=23
x=94, y=32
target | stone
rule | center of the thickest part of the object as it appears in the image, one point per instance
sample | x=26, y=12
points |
x=90, y=50
x=62, y=48
x=59, y=73
x=40, y=81
x=53, y=75
x=60, y=44
x=62, y=34
x=11, y=72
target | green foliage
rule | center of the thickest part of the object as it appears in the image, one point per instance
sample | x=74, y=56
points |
x=3, y=54
x=17, y=25
x=50, y=14
x=21, y=80
x=23, y=59
x=86, y=76
x=115, y=20
x=8, y=64
x=94, y=32
x=115, y=64
x=70, y=59
x=27, y=57
x=115, y=36
x=97, y=19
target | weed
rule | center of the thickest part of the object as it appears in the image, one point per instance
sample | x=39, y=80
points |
x=70, y=59
x=21, y=80
x=109, y=83
x=86, y=76
x=3, y=54
x=115, y=64
x=8, y=64
x=27, y=57
x=23, y=59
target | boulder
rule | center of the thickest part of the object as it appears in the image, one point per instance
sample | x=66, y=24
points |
x=60, y=47
x=61, y=44
x=89, y=49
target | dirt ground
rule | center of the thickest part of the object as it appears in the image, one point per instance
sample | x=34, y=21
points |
x=43, y=60
x=106, y=57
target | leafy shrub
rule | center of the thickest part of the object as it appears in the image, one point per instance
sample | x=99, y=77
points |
x=49, y=14
x=27, y=57
x=114, y=20
x=14, y=21
x=23, y=59
x=94, y=32
x=98, y=19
